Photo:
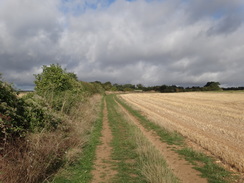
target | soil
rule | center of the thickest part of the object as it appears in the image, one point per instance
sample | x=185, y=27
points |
x=104, y=165
x=181, y=168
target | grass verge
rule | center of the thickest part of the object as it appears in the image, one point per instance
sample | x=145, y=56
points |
x=80, y=171
x=213, y=172
x=204, y=164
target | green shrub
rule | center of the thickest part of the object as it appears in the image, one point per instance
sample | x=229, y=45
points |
x=12, y=113
x=39, y=114
x=61, y=90
x=21, y=115
x=53, y=78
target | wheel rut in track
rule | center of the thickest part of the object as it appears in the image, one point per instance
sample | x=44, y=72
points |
x=104, y=165
x=181, y=168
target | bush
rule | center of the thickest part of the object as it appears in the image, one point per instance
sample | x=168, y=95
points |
x=53, y=78
x=61, y=90
x=21, y=115
x=13, y=120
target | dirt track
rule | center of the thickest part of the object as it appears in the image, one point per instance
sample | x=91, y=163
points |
x=103, y=166
x=181, y=168
x=214, y=121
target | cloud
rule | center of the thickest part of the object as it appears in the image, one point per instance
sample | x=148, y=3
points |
x=149, y=42
x=226, y=25
x=29, y=33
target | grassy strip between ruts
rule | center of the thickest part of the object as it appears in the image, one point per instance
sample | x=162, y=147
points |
x=172, y=138
x=210, y=170
x=124, y=148
x=137, y=159
x=80, y=171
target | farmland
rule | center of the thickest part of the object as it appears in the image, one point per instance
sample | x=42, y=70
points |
x=118, y=137
x=212, y=121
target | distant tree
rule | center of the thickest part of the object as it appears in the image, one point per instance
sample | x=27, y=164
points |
x=212, y=86
x=107, y=85
x=131, y=86
x=114, y=88
x=128, y=89
x=140, y=87
x=119, y=87
x=163, y=88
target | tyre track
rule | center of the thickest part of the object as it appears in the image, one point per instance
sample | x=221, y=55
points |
x=181, y=168
x=103, y=165
x=230, y=151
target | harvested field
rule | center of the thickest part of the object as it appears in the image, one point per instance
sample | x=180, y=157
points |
x=214, y=121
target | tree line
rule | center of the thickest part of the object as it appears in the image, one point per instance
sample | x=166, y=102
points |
x=209, y=86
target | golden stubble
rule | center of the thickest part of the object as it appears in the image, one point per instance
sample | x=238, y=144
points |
x=214, y=121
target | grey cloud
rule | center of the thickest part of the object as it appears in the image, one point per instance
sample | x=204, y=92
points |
x=157, y=42
x=29, y=32
x=227, y=25
x=199, y=9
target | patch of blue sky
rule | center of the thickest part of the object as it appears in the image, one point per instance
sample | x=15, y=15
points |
x=75, y=7
x=218, y=14
x=237, y=11
x=111, y=1
x=72, y=7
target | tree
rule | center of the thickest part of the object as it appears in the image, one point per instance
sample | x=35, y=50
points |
x=212, y=86
x=131, y=86
x=107, y=86
x=53, y=78
x=140, y=87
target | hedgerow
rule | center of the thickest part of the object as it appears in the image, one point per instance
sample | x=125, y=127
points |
x=38, y=129
x=18, y=116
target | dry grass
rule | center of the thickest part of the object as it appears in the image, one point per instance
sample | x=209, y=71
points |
x=39, y=155
x=214, y=121
x=21, y=94
x=152, y=164
x=33, y=159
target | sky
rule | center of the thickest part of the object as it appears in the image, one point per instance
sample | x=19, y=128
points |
x=152, y=42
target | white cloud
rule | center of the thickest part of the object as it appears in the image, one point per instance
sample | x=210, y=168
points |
x=156, y=42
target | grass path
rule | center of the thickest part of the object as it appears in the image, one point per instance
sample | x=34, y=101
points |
x=103, y=165
x=137, y=159
x=181, y=168
x=125, y=147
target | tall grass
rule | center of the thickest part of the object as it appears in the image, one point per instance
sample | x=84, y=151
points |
x=80, y=169
x=153, y=166
x=39, y=155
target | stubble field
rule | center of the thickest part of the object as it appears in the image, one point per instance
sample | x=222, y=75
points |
x=213, y=121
